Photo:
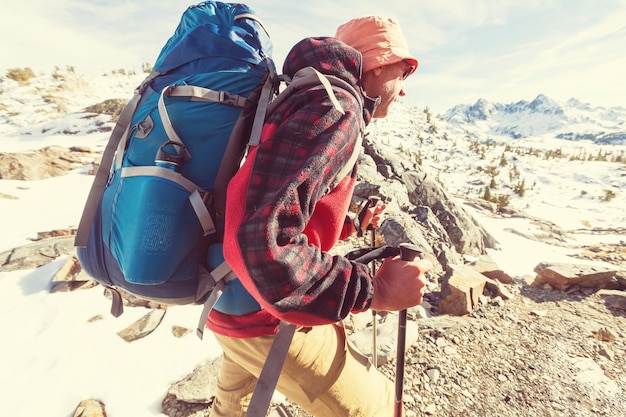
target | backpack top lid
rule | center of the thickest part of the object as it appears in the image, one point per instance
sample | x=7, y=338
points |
x=215, y=29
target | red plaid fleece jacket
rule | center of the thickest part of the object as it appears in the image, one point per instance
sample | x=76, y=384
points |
x=281, y=218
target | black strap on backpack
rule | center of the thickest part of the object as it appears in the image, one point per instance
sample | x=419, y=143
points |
x=273, y=366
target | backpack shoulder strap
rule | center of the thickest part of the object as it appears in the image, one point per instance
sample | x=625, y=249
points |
x=119, y=131
x=247, y=129
x=310, y=77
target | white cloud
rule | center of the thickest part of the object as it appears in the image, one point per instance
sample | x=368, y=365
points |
x=498, y=50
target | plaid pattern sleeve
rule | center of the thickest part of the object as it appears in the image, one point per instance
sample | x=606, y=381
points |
x=302, y=152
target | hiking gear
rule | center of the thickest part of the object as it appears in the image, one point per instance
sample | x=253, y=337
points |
x=323, y=373
x=265, y=386
x=372, y=201
x=284, y=209
x=379, y=39
x=367, y=255
x=408, y=252
x=151, y=215
x=153, y=221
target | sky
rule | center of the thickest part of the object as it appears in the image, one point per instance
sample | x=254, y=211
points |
x=499, y=50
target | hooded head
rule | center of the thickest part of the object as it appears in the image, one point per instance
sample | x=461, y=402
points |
x=379, y=40
x=325, y=54
x=332, y=57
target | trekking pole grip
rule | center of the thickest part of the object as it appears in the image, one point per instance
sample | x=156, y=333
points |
x=408, y=252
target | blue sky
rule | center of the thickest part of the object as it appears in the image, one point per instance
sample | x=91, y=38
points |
x=500, y=50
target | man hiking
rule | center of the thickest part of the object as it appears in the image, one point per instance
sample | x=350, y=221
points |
x=285, y=211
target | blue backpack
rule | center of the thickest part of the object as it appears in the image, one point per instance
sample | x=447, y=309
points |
x=153, y=218
x=153, y=221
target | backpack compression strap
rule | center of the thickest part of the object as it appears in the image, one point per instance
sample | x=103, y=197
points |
x=119, y=131
x=212, y=283
x=195, y=199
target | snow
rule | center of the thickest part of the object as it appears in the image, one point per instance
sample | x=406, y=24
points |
x=53, y=356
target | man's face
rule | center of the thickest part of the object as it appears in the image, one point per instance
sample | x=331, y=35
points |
x=386, y=82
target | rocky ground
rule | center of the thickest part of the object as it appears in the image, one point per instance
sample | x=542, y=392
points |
x=539, y=352
x=542, y=353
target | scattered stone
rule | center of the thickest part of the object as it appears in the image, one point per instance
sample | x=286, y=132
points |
x=607, y=352
x=90, y=408
x=111, y=107
x=55, y=233
x=588, y=373
x=69, y=271
x=71, y=277
x=421, y=311
x=80, y=149
x=143, y=327
x=173, y=407
x=613, y=298
x=8, y=196
x=36, y=254
x=461, y=290
x=486, y=266
x=44, y=163
x=199, y=386
x=386, y=339
x=497, y=289
x=605, y=335
x=179, y=331
x=95, y=318
x=433, y=374
x=563, y=276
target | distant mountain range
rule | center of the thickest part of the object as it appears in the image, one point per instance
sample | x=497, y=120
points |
x=571, y=120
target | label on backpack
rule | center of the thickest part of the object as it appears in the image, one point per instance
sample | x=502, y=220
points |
x=146, y=237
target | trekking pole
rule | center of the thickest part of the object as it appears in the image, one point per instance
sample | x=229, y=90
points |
x=372, y=201
x=408, y=252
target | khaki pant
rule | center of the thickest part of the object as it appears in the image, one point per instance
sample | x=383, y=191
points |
x=322, y=374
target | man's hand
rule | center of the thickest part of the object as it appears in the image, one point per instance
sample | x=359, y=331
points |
x=399, y=284
x=372, y=217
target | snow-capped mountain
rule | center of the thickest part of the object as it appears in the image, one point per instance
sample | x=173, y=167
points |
x=571, y=120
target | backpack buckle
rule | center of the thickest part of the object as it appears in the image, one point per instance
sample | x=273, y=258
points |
x=227, y=98
x=231, y=99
